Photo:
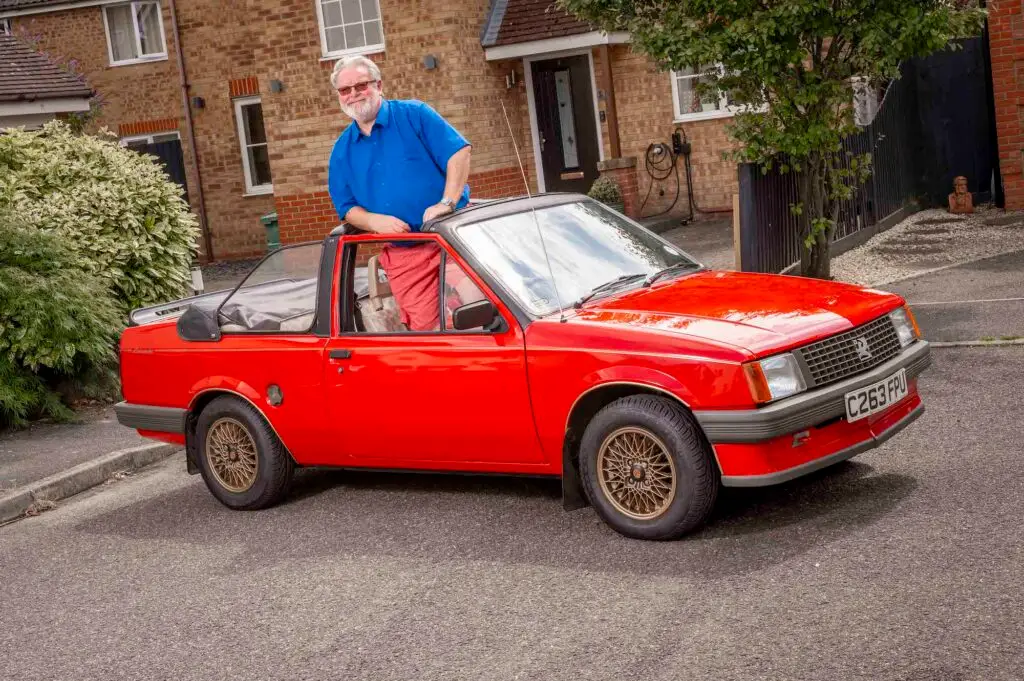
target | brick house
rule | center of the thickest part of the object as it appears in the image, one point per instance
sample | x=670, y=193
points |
x=245, y=88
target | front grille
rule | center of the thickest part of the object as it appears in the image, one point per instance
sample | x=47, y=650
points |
x=838, y=357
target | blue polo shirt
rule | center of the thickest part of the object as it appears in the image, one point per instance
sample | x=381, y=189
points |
x=399, y=168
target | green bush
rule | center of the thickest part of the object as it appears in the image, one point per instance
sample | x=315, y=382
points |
x=59, y=325
x=113, y=206
x=606, y=190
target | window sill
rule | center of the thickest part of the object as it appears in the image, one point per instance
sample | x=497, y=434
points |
x=143, y=60
x=259, y=191
x=704, y=116
x=365, y=51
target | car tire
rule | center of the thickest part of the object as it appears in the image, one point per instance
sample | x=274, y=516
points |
x=243, y=462
x=647, y=468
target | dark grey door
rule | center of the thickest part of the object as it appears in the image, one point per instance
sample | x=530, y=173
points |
x=565, y=123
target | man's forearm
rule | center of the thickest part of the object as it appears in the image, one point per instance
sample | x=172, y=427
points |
x=359, y=218
x=457, y=174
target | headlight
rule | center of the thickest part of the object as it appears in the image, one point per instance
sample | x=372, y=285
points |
x=774, y=378
x=906, y=326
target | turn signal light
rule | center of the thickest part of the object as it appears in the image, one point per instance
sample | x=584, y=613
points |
x=913, y=321
x=757, y=382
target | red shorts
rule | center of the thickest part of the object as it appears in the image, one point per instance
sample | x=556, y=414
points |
x=414, y=275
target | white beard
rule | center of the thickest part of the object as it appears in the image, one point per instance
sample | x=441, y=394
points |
x=364, y=111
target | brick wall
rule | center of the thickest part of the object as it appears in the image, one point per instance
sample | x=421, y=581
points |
x=304, y=119
x=1006, y=41
x=643, y=99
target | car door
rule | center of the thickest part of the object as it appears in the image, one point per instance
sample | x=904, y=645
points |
x=443, y=398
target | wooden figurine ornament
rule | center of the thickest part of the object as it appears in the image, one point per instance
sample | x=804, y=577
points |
x=960, y=201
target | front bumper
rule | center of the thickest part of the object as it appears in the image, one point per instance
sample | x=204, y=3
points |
x=801, y=434
x=808, y=409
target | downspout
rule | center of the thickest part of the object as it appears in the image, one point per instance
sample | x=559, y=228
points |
x=203, y=227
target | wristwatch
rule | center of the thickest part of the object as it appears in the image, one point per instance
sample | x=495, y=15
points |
x=445, y=201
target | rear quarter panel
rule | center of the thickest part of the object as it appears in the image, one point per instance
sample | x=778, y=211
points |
x=160, y=369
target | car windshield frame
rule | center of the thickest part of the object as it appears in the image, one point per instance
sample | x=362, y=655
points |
x=459, y=233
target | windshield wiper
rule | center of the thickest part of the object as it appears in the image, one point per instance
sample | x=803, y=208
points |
x=605, y=286
x=654, y=276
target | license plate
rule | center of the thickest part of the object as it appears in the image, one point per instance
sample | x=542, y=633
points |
x=876, y=397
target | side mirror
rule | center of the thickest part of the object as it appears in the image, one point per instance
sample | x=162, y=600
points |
x=482, y=313
x=197, y=324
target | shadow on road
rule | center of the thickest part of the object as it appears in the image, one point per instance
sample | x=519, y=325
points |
x=455, y=517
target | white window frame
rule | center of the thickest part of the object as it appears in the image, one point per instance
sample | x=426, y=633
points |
x=149, y=138
x=366, y=49
x=250, y=189
x=725, y=111
x=138, y=41
x=5, y=27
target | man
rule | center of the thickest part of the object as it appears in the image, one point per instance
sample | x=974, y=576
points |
x=399, y=165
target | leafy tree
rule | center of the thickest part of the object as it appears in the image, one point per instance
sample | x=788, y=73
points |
x=790, y=65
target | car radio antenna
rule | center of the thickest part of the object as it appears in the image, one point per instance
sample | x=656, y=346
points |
x=533, y=210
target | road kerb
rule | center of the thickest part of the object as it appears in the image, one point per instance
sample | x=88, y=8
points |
x=82, y=477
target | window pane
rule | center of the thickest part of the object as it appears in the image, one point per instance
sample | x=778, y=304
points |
x=689, y=102
x=169, y=137
x=279, y=295
x=335, y=39
x=354, y=36
x=459, y=290
x=350, y=13
x=370, y=10
x=332, y=14
x=259, y=164
x=252, y=122
x=122, y=32
x=373, y=33
x=149, y=28
x=566, y=119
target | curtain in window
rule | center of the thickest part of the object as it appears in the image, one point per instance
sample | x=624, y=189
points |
x=149, y=27
x=122, y=32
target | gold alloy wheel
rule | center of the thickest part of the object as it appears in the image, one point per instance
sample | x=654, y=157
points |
x=636, y=473
x=231, y=453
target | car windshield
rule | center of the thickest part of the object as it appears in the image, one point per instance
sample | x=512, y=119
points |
x=589, y=247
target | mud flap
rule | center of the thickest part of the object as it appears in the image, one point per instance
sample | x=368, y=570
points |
x=191, y=446
x=573, y=496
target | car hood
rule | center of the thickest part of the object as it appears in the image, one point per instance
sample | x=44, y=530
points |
x=761, y=313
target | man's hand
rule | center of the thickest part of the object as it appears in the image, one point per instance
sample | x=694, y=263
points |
x=435, y=211
x=386, y=224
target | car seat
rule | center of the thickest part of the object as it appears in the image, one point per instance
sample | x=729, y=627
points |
x=379, y=310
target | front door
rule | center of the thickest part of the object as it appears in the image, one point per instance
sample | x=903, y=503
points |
x=565, y=123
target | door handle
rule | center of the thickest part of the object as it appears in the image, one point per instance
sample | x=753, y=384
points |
x=340, y=354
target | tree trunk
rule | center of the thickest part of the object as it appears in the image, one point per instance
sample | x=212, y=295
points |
x=815, y=261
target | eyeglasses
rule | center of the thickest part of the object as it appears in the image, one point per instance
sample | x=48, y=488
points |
x=358, y=87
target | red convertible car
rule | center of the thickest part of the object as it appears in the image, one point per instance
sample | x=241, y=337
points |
x=570, y=342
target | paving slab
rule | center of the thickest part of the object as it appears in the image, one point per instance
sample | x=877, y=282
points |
x=44, y=448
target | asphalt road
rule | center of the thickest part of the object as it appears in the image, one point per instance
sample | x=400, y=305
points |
x=979, y=300
x=906, y=564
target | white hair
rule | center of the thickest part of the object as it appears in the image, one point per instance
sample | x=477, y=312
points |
x=355, y=61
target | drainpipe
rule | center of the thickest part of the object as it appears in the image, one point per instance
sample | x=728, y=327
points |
x=203, y=227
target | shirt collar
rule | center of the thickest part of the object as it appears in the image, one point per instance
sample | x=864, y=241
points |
x=383, y=119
